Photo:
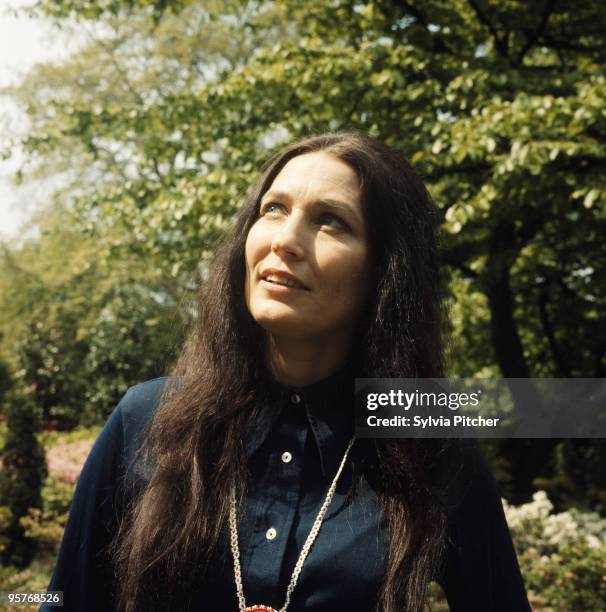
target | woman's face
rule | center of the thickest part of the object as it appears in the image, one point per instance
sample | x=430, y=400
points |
x=310, y=233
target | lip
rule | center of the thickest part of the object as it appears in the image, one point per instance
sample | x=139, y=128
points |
x=275, y=288
x=286, y=275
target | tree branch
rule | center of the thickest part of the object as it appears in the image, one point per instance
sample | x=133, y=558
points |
x=532, y=39
x=562, y=368
x=439, y=43
x=441, y=172
x=553, y=43
x=119, y=69
x=499, y=41
x=460, y=253
x=506, y=340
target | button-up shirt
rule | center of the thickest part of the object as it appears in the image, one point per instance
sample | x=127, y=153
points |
x=293, y=456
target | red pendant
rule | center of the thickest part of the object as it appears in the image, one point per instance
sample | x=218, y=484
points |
x=259, y=608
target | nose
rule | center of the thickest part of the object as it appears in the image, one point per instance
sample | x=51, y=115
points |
x=288, y=238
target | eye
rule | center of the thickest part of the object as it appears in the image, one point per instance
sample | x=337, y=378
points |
x=271, y=207
x=332, y=221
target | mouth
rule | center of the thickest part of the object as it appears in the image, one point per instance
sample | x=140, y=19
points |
x=283, y=281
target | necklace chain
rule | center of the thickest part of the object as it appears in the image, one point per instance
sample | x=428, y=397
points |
x=233, y=529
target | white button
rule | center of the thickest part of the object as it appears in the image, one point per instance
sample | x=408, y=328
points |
x=286, y=457
x=295, y=398
x=271, y=534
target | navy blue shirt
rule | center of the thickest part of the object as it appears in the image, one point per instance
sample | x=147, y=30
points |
x=293, y=456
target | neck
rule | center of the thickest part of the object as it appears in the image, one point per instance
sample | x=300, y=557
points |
x=300, y=362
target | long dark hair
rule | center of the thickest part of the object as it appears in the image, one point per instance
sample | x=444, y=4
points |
x=217, y=389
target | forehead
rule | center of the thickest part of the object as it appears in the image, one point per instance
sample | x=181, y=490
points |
x=318, y=173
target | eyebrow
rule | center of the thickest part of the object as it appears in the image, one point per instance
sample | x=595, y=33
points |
x=329, y=202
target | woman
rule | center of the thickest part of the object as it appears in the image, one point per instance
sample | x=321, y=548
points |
x=330, y=272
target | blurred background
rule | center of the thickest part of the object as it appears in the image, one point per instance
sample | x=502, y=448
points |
x=131, y=129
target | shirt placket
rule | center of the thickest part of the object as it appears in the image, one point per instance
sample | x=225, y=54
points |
x=275, y=499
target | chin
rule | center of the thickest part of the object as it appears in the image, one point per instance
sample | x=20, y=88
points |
x=275, y=323
x=269, y=310
x=281, y=322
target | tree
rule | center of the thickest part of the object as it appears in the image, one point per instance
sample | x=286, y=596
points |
x=78, y=332
x=110, y=122
x=134, y=338
x=499, y=105
x=21, y=477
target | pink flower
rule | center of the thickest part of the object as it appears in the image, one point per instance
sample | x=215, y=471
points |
x=65, y=461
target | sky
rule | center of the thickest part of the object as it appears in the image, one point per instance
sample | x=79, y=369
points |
x=24, y=41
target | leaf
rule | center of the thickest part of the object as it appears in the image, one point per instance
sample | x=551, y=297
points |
x=590, y=198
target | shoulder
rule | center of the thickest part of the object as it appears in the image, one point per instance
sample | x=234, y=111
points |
x=129, y=419
x=136, y=410
x=476, y=514
x=472, y=480
x=139, y=403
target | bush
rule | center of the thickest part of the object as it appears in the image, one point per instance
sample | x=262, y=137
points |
x=46, y=527
x=23, y=471
x=562, y=556
x=133, y=339
x=65, y=459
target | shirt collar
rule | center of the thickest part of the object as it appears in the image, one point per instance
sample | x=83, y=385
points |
x=328, y=405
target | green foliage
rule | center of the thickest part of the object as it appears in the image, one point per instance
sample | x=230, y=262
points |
x=56, y=495
x=562, y=556
x=52, y=438
x=88, y=9
x=91, y=330
x=133, y=339
x=577, y=467
x=5, y=525
x=160, y=122
x=500, y=107
x=21, y=476
x=46, y=528
x=49, y=359
x=573, y=579
x=6, y=381
x=46, y=524
x=34, y=578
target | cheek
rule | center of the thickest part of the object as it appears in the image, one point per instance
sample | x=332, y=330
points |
x=256, y=243
x=347, y=275
x=255, y=249
x=250, y=250
x=357, y=288
x=249, y=265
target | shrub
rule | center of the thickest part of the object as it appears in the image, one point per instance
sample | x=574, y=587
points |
x=562, y=556
x=23, y=471
x=46, y=524
x=46, y=527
